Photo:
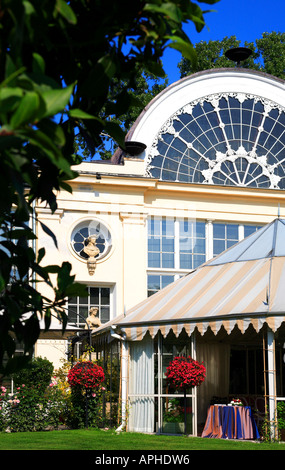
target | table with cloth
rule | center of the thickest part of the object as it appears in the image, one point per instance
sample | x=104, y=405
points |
x=230, y=422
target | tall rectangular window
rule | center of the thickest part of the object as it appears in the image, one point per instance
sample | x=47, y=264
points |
x=79, y=307
x=161, y=243
x=176, y=244
x=192, y=244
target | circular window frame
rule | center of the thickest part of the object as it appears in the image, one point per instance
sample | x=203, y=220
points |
x=94, y=223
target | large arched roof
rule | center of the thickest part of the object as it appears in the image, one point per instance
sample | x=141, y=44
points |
x=221, y=126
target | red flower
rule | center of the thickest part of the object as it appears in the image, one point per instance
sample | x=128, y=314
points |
x=86, y=375
x=183, y=373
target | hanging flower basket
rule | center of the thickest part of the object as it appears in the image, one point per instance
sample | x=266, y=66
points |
x=185, y=372
x=86, y=375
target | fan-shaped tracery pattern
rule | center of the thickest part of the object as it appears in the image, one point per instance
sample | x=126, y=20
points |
x=229, y=139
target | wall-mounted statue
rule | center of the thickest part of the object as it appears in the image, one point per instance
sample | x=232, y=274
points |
x=92, y=250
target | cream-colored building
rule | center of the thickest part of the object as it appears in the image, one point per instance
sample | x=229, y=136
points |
x=210, y=172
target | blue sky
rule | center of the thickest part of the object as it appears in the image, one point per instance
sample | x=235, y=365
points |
x=245, y=19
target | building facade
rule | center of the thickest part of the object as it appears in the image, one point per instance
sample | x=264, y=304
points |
x=210, y=173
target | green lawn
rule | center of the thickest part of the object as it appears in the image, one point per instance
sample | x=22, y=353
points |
x=99, y=440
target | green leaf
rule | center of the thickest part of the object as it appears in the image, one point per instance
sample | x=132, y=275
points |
x=46, y=145
x=47, y=319
x=20, y=233
x=38, y=63
x=29, y=110
x=57, y=100
x=186, y=48
x=168, y=9
x=116, y=132
x=10, y=98
x=65, y=11
x=97, y=81
x=79, y=114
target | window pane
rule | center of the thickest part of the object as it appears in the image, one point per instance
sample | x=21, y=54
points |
x=200, y=229
x=186, y=228
x=72, y=314
x=185, y=261
x=198, y=260
x=219, y=246
x=168, y=245
x=154, y=244
x=231, y=243
x=154, y=282
x=232, y=232
x=105, y=314
x=72, y=300
x=167, y=260
x=83, y=313
x=200, y=245
x=105, y=296
x=186, y=245
x=83, y=300
x=219, y=230
x=249, y=229
x=94, y=295
x=166, y=280
x=168, y=227
x=154, y=260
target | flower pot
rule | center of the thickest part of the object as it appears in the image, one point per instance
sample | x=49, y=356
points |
x=173, y=428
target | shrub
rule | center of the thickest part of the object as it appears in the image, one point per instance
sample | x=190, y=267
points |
x=36, y=375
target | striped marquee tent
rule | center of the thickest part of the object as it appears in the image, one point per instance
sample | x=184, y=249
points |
x=242, y=286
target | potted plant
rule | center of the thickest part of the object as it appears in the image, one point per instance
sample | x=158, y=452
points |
x=184, y=373
x=85, y=378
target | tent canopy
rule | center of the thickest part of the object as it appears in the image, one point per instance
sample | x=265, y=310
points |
x=243, y=285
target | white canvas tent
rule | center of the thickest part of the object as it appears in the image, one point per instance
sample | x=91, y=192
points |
x=242, y=287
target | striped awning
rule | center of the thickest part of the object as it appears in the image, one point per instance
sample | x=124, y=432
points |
x=240, y=287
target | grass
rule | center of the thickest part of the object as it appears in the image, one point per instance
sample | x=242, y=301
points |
x=99, y=440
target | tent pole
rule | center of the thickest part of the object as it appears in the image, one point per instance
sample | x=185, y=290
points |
x=265, y=381
x=194, y=356
x=271, y=381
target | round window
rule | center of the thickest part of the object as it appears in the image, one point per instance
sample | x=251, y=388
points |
x=91, y=229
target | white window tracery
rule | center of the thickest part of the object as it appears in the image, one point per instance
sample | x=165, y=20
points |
x=225, y=139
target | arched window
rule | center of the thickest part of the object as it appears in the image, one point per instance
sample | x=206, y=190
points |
x=226, y=139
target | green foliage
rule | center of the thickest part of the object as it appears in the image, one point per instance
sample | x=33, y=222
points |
x=80, y=404
x=268, y=55
x=39, y=402
x=36, y=403
x=59, y=64
x=281, y=414
x=36, y=375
